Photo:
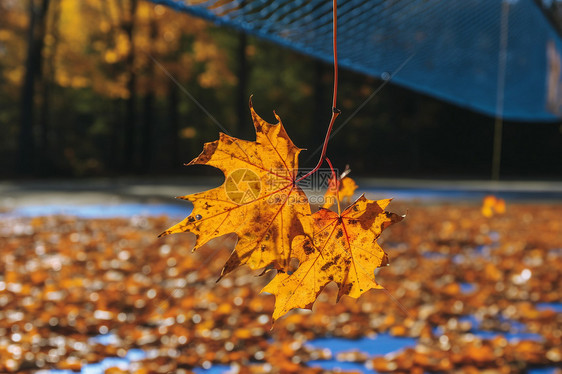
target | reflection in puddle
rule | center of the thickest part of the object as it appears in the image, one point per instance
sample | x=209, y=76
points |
x=379, y=345
x=102, y=211
x=343, y=366
x=556, y=307
x=123, y=363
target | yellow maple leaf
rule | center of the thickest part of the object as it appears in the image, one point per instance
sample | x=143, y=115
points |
x=343, y=250
x=259, y=200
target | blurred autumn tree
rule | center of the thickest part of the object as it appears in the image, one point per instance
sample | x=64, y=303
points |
x=91, y=88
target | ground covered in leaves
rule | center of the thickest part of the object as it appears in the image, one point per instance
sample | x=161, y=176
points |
x=65, y=281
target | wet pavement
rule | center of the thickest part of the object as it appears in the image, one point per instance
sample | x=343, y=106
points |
x=94, y=290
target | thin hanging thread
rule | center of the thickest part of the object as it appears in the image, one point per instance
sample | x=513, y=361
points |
x=335, y=110
x=502, y=62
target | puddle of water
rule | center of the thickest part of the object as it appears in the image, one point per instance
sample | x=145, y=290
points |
x=102, y=211
x=135, y=354
x=215, y=369
x=435, y=255
x=518, y=330
x=105, y=339
x=508, y=335
x=467, y=288
x=123, y=363
x=382, y=344
x=344, y=366
x=547, y=370
x=108, y=362
x=379, y=345
x=557, y=307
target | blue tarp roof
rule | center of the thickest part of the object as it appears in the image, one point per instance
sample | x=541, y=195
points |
x=448, y=49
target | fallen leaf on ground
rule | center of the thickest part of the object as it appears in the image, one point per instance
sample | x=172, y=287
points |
x=492, y=205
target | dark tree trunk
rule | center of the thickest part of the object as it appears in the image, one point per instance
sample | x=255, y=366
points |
x=173, y=110
x=47, y=92
x=242, y=127
x=129, y=121
x=148, y=118
x=113, y=159
x=146, y=135
x=26, y=143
